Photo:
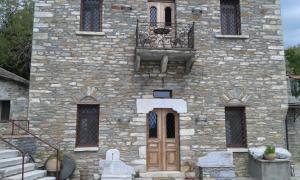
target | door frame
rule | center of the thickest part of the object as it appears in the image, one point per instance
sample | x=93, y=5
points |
x=160, y=130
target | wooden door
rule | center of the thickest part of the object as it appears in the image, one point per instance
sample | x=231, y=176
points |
x=163, y=140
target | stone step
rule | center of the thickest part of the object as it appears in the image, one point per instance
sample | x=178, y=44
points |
x=11, y=162
x=13, y=170
x=4, y=154
x=47, y=178
x=31, y=175
x=163, y=174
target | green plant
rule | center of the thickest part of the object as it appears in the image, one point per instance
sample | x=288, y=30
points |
x=270, y=150
x=137, y=174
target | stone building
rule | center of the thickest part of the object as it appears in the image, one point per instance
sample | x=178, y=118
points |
x=14, y=92
x=163, y=81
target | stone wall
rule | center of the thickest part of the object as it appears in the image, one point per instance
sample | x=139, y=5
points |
x=18, y=95
x=66, y=67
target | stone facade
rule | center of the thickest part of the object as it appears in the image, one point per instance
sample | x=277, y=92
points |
x=16, y=90
x=67, y=67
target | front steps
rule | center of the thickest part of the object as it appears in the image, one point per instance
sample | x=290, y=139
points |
x=11, y=167
x=162, y=175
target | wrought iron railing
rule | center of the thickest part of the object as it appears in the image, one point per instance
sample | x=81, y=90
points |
x=23, y=153
x=165, y=35
x=26, y=130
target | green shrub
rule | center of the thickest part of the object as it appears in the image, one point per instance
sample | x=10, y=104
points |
x=270, y=150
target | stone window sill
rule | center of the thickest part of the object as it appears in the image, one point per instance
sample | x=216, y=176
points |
x=86, y=149
x=238, y=150
x=89, y=33
x=231, y=36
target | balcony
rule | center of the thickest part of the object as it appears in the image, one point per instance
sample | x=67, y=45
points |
x=165, y=42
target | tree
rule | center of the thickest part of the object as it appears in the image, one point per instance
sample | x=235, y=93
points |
x=293, y=67
x=16, y=21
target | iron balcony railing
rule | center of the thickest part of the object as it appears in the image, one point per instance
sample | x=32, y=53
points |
x=164, y=35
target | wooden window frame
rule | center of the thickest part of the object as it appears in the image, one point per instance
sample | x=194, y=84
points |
x=77, y=145
x=101, y=16
x=243, y=144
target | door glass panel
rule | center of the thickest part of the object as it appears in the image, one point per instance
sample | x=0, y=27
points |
x=170, y=125
x=152, y=121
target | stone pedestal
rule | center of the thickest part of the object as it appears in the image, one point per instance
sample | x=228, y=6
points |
x=216, y=165
x=277, y=169
x=113, y=168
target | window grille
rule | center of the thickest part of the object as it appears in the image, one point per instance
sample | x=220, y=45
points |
x=153, y=16
x=152, y=122
x=230, y=17
x=235, y=122
x=87, y=125
x=91, y=15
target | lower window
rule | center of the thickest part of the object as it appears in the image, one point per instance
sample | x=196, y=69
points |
x=235, y=120
x=87, y=125
x=4, y=110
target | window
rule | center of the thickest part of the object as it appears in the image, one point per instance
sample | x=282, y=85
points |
x=91, y=15
x=4, y=110
x=153, y=16
x=235, y=122
x=162, y=93
x=87, y=125
x=152, y=123
x=230, y=17
x=168, y=16
x=170, y=125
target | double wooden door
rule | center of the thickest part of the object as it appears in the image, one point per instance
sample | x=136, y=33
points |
x=163, y=140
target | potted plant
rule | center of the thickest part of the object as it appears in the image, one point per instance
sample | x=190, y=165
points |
x=52, y=162
x=269, y=153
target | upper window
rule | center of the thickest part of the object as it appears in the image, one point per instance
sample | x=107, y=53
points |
x=4, y=110
x=162, y=93
x=91, y=15
x=230, y=17
x=236, y=135
x=168, y=16
x=153, y=16
x=87, y=125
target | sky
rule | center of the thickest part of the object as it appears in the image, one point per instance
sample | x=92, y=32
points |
x=290, y=10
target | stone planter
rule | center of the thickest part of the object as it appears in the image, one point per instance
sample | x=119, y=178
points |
x=277, y=169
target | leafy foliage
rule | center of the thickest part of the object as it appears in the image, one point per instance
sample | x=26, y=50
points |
x=270, y=150
x=293, y=68
x=16, y=21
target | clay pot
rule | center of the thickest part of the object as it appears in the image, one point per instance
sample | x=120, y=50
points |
x=84, y=173
x=51, y=165
x=269, y=157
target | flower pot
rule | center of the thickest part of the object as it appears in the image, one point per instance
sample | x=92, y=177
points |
x=269, y=156
x=84, y=173
x=51, y=165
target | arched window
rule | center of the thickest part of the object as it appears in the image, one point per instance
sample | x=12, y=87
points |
x=152, y=124
x=170, y=125
x=168, y=16
x=153, y=16
x=91, y=15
